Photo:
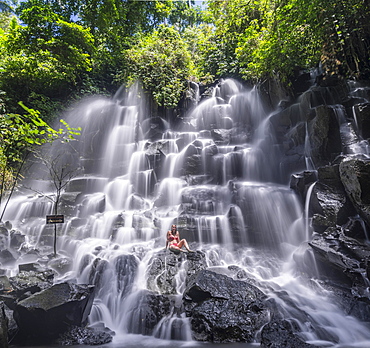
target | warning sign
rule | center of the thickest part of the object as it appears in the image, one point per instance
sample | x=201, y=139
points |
x=54, y=219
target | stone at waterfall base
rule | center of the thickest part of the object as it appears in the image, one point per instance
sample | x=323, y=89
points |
x=222, y=309
x=43, y=316
x=281, y=333
x=81, y=335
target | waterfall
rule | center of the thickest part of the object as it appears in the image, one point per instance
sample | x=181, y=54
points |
x=220, y=181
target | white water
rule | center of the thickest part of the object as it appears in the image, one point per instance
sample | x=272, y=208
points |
x=125, y=205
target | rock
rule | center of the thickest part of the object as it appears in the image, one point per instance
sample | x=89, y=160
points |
x=162, y=271
x=153, y=128
x=355, y=228
x=4, y=238
x=12, y=325
x=222, y=309
x=30, y=282
x=6, y=257
x=3, y=327
x=84, y=335
x=329, y=175
x=43, y=316
x=273, y=92
x=137, y=202
x=126, y=269
x=17, y=238
x=355, y=176
x=146, y=309
x=301, y=182
x=165, y=265
x=192, y=161
x=282, y=333
x=7, y=293
x=362, y=112
x=61, y=265
x=324, y=135
x=333, y=205
x=84, y=184
x=343, y=263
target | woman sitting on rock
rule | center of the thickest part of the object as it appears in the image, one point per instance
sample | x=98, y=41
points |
x=174, y=243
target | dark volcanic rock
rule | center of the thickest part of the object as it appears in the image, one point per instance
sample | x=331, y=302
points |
x=29, y=280
x=333, y=205
x=324, y=135
x=44, y=315
x=355, y=176
x=3, y=327
x=301, y=182
x=343, y=263
x=145, y=311
x=81, y=335
x=282, y=333
x=165, y=265
x=222, y=309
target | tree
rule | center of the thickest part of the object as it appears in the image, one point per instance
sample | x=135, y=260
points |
x=46, y=55
x=21, y=135
x=114, y=25
x=265, y=38
x=7, y=6
x=185, y=14
x=60, y=173
x=162, y=63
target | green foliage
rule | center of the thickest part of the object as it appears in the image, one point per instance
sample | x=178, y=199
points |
x=114, y=25
x=7, y=6
x=162, y=62
x=198, y=41
x=21, y=135
x=46, y=55
x=64, y=48
x=185, y=14
x=266, y=38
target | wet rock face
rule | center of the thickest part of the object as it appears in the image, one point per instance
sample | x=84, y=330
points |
x=340, y=210
x=153, y=308
x=165, y=265
x=30, y=281
x=222, y=309
x=282, y=333
x=79, y=335
x=332, y=207
x=44, y=315
x=324, y=135
x=343, y=263
x=3, y=327
x=355, y=176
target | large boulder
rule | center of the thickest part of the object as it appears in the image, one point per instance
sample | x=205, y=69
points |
x=44, y=315
x=32, y=278
x=282, y=333
x=222, y=309
x=85, y=335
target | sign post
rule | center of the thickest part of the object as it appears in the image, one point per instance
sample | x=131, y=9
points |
x=54, y=219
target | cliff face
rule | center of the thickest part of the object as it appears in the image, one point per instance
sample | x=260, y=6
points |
x=328, y=128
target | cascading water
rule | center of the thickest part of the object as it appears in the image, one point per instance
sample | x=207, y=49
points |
x=218, y=176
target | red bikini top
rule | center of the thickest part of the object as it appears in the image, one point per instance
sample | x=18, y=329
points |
x=172, y=237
